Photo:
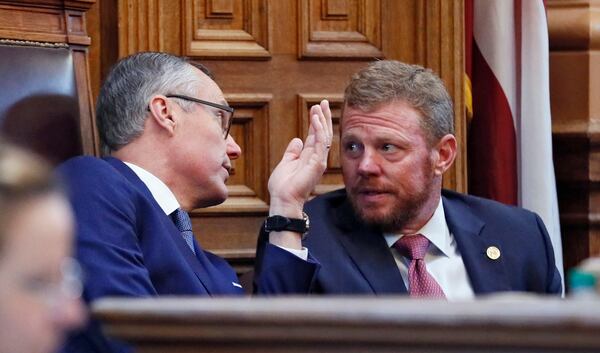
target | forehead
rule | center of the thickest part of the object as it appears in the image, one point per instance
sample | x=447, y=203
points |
x=208, y=89
x=396, y=116
x=39, y=221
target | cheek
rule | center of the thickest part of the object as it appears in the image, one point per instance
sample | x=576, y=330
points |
x=202, y=159
x=413, y=176
x=21, y=315
x=349, y=168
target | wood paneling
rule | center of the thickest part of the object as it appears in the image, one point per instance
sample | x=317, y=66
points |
x=440, y=46
x=574, y=30
x=227, y=29
x=360, y=324
x=295, y=52
x=43, y=24
x=339, y=29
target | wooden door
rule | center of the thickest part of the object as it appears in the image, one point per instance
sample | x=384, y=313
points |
x=274, y=59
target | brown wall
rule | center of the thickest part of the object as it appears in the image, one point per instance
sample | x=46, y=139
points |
x=574, y=28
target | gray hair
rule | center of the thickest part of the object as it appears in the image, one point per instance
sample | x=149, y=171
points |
x=124, y=98
x=386, y=81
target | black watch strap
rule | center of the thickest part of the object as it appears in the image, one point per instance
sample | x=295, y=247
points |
x=278, y=223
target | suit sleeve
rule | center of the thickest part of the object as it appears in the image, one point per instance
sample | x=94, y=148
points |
x=278, y=271
x=107, y=240
x=553, y=275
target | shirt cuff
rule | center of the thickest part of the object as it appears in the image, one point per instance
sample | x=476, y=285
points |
x=303, y=253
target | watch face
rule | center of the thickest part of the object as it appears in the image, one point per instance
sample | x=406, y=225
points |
x=306, y=221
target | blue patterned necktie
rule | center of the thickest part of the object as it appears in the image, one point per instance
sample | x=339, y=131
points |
x=184, y=224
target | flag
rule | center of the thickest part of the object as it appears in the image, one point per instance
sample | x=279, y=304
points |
x=510, y=133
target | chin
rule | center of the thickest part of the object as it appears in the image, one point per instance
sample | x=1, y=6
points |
x=373, y=218
x=214, y=200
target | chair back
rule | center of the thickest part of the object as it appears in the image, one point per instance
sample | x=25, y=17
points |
x=39, y=103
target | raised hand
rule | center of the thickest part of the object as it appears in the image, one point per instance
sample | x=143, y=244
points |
x=300, y=169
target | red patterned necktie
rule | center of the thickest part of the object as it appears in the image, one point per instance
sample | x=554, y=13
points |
x=421, y=283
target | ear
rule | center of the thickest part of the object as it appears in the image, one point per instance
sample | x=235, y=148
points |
x=445, y=153
x=161, y=112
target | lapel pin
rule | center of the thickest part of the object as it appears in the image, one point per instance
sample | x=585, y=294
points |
x=493, y=253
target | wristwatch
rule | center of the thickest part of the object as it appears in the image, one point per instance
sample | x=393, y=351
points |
x=278, y=223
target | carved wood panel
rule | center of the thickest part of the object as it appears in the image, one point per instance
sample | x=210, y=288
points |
x=227, y=29
x=340, y=29
x=332, y=179
x=440, y=46
x=43, y=24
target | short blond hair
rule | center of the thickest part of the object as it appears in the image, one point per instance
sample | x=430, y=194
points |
x=386, y=81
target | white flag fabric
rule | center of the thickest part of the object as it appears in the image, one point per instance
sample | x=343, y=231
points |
x=537, y=184
x=512, y=38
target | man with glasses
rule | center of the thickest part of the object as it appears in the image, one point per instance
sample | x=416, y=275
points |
x=164, y=128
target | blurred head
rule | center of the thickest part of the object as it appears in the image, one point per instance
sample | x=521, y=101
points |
x=396, y=142
x=39, y=285
x=183, y=116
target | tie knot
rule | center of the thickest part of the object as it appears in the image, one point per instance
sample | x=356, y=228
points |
x=412, y=246
x=182, y=220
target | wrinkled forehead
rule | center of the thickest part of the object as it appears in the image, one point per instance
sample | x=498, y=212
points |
x=392, y=110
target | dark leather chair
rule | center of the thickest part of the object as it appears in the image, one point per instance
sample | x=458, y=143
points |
x=39, y=106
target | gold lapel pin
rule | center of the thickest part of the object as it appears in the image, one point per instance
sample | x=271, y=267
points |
x=493, y=253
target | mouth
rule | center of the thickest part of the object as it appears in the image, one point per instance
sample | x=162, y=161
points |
x=227, y=168
x=371, y=194
x=370, y=190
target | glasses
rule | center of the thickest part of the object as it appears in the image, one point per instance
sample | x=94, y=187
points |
x=70, y=286
x=226, y=118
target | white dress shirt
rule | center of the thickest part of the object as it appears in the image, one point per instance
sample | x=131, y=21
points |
x=443, y=259
x=168, y=203
x=159, y=190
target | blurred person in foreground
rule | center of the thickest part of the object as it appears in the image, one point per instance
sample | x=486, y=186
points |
x=393, y=229
x=164, y=125
x=39, y=282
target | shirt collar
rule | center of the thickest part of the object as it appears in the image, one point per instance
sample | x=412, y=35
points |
x=159, y=190
x=436, y=230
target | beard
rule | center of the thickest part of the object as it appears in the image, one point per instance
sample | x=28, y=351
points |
x=399, y=212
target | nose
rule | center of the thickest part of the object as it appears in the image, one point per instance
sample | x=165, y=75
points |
x=369, y=164
x=234, y=151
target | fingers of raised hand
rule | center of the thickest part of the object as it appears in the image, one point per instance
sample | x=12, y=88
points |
x=327, y=115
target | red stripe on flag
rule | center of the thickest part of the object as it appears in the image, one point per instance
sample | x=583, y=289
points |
x=492, y=142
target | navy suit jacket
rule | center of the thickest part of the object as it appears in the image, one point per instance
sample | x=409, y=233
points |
x=356, y=259
x=128, y=247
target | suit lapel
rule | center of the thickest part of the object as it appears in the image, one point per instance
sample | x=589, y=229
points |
x=198, y=265
x=198, y=262
x=468, y=229
x=369, y=251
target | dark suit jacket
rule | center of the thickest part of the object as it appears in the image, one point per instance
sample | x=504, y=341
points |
x=128, y=247
x=356, y=259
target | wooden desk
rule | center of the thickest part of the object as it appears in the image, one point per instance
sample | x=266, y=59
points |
x=342, y=324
